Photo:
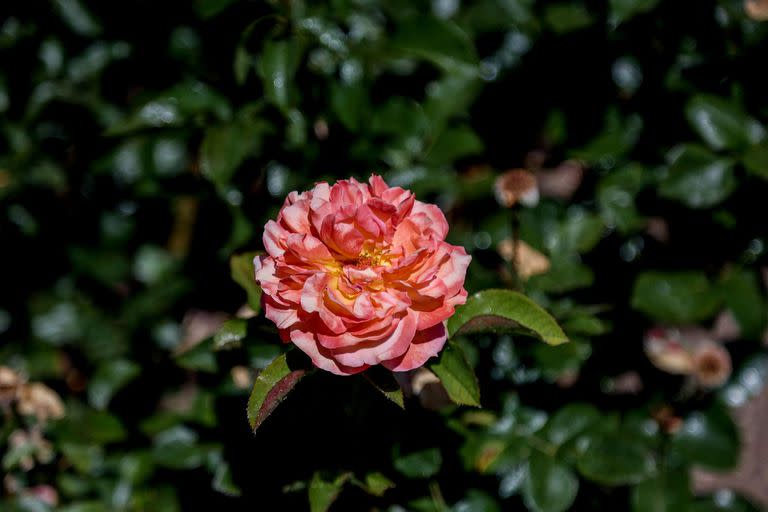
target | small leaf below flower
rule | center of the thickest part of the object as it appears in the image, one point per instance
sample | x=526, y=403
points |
x=457, y=376
x=272, y=386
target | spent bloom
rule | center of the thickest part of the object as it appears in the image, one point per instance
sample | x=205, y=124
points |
x=360, y=274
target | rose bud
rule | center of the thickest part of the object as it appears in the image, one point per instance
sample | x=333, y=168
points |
x=711, y=364
x=667, y=352
x=360, y=274
x=562, y=181
x=516, y=186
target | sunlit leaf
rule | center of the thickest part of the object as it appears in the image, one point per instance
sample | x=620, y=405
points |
x=489, y=309
x=273, y=385
x=456, y=375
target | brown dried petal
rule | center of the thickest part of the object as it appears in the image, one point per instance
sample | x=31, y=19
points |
x=37, y=399
x=562, y=181
x=712, y=364
x=756, y=9
x=516, y=186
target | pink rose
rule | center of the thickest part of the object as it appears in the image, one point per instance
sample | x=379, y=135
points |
x=360, y=274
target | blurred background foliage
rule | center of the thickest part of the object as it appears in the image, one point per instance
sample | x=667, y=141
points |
x=144, y=143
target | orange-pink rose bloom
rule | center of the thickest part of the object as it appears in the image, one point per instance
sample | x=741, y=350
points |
x=360, y=274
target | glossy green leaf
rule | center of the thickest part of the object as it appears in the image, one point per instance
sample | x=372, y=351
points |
x=708, y=439
x=243, y=273
x=570, y=421
x=675, y=297
x=456, y=375
x=231, y=334
x=616, y=458
x=666, y=492
x=273, y=385
x=386, y=384
x=722, y=124
x=697, y=177
x=616, y=193
x=563, y=18
x=277, y=66
x=550, y=486
x=492, y=309
x=419, y=464
x=322, y=493
x=441, y=42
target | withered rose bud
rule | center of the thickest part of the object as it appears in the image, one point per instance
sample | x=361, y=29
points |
x=528, y=261
x=516, y=186
x=756, y=9
x=667, y=352
x=562, y=181
x=36, y=399
x=712, y=364
x=9, y=384
x=241, y=377
x=667, y=420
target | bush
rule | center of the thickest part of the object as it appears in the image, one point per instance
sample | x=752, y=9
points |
x=144, y=145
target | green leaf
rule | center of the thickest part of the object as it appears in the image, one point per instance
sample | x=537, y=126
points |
x=708, y=439
x=616, y=194
x=277, y=66
x=109, y=379
x=616, y=458
x=666, y=492
x=623, y=10
x=231, y=334
x=377, y=484
x=441, y=42
x=323, y=493
x=697, y=177
x=420, y=464
x=755, y=160
x=225, y=147
x=492, y=309
x=549, y=485
x=243, y=273
x=386, y=384
x=272, y=386
x=456, y=375
x=210, y=8
x=675, y=297
x=452, y=144
x=222, y=480
x=742, y=294
x=722, y=124
x=77, y=17
x=570, y=421
x=563, y=18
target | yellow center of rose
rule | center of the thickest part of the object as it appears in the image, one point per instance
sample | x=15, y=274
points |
x=373, y=257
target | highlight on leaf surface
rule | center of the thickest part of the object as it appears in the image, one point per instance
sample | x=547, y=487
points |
x=494, y=310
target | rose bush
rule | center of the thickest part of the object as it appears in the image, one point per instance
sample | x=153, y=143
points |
x=360, y=274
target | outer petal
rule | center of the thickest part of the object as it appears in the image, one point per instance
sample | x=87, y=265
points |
x=322, y=358
x=376, y=351
x=426, y=344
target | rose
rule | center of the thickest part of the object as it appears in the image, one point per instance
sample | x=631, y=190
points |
x=360, y=274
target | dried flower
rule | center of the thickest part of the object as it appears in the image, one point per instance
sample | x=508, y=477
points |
x=562, y=181
x=9, y=384
x=37, y=399
x=528, y=261
x=756, y=9
x=516, y=186
x=711, y=364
